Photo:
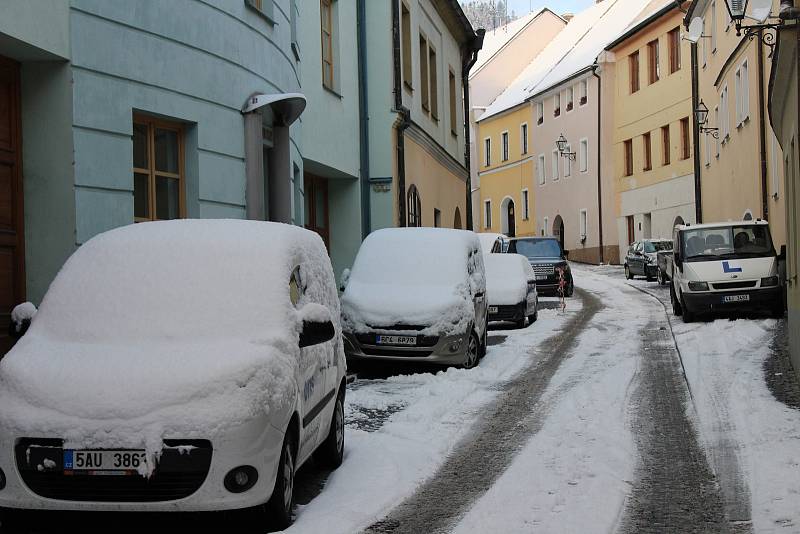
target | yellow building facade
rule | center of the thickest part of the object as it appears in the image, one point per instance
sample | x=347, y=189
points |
x=506, y=166
x=652, y=142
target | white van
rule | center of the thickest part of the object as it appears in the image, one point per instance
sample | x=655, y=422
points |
x=729, y=266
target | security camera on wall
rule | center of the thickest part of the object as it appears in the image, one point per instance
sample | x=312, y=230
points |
x=695, y=30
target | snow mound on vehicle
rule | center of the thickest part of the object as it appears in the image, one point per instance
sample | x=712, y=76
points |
x=506, y=278
x=414, y=276
x=179, y=328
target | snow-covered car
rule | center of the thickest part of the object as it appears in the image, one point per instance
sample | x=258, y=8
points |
x=199, y=362
x=511, y=288
x=416, y=295
x=492, y=243
x=642, y=258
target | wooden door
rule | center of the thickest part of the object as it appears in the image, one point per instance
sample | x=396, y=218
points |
x=12, y=250
x=511, y=220
x=316, y=193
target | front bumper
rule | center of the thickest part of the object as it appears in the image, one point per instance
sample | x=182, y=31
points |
x=510, y=312
x=256, y=443
x=435, y=350
x=761, y=299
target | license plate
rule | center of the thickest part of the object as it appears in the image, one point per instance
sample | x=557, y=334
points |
x=397, y=340
x=736, y=298
x=541, y=277
x=492, y=309
x=104, y=462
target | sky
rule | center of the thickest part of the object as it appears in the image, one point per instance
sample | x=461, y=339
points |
x=559, y=6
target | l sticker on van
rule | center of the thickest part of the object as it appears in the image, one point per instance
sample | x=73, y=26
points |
x=728, y=268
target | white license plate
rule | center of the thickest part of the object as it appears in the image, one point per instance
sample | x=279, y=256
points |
x=492, y=309
x=397, y=340
x=736, y=298
x=102, y=462
x=541, y=277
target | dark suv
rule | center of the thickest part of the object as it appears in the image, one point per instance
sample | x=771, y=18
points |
x=545, y=256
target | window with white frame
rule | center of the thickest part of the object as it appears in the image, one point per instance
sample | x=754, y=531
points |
x=487, y=151
x=539, y=113
x=584, y=94
x=707, y=153
x=540, y=169
x=504, y=140
x=583, y=156
x=570, y=98
x=523, y=138
x=487, y=213
x=774, y=167
x=705, y=44
x=525, y=205
x=584, y=224
x=742, y=87
x=714, y=27
x=568, y=163
x=716, y=139
x=545, y=226
x=557, y=104
x=554, y=166
x=724, y=123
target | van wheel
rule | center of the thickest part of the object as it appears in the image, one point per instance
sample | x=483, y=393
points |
x=628, y=274
x=473, y=349
x=331, y=452
x=279, y=506
x=661, y=278
x=676, y=306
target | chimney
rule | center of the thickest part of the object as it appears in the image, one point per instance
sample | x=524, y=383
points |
x=567, y=16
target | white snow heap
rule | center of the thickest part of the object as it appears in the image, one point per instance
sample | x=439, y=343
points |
x=507, y=278
x=165, y=329
x=21, y=313
x=414, y=276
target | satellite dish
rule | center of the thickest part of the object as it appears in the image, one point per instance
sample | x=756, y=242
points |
x=695, y=30
x=760, y=10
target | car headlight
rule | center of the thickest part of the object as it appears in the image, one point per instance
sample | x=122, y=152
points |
x=769, y=281
x=698, y=286
x=651, y=260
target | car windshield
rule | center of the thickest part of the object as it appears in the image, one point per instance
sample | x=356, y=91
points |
x=536, y=248
x=727, y=242
x=655, y=246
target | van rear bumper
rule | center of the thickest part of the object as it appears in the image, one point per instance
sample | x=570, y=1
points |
x=714, y=301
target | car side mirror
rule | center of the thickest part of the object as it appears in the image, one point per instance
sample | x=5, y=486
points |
x=317, y=325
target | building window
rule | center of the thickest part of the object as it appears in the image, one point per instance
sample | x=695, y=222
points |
x=742, y=87
x=628, y=154
x=583, y=156
x=716, y=140
x=525, y=205
x=570, y=98
x=545, y=226
x=647, y=152
x=584, y=224
x=557, y=104
x=707, y=151
x=437, y=218
x=326, y=16
x=540, y=169
x=568, y=163
x=487, y=213
x=158, y=175
x=423, y=72
x=293, y=28
x=504, y=145
x=487, y=151
x=405, y=24
x=713, y=26
x=653, y=67
x=666, y=147
x=633, y=68
x=414, y=207
x=432, y=69
x=554, y=165
x=453, y=108
x=265, y=7
x=705, y=44
x=584, y=92
x=674, y=39
x=685, y=144
x=724, y=123
x=523, y=135
x=539, y=113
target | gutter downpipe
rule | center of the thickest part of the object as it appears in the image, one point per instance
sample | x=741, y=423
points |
x=403, y=119
x=363, y=105
x=599, y=168
x=469, y=57
x=762, y=133
x=698, y=193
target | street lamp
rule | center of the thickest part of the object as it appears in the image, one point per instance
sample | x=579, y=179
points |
x=562, y=143
x=760, y=12
x=701, y=117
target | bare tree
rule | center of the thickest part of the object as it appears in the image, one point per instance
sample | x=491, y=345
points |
x=488, y=14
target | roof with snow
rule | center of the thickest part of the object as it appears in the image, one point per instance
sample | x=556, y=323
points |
x=495, y=40
x=571, y=52
x=654, y=10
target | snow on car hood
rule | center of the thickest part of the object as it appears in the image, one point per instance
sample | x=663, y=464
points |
x=507, y=278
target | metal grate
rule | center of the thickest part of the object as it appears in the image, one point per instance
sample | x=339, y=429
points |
x=734, y=285
x=544, y=269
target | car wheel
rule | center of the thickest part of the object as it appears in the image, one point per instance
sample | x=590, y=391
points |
x=279, y=506
x=676, y=306
x=331, y=452
x=628, y=274
x=661, y=279
x=473, y=349
x=688, y=315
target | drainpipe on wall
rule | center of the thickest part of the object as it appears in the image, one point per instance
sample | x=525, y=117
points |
x=469, y=57
x=762, y=132
x=698, y=199
x=403, y=119
x=599, y=173
x=363, y=124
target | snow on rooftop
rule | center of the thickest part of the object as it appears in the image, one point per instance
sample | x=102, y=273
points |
x=574, y=49
x=496, y=39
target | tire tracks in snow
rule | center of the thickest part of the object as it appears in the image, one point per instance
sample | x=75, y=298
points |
x=474, y=465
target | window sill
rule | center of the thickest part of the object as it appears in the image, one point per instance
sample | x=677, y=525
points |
x=334, y=92
x=260, y=13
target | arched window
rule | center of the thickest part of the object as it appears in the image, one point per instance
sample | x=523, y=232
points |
x=414, y=207
x=678, y=221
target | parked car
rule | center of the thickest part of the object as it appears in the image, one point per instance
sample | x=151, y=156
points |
x=417, y=295
x=492, y=243
x=511, y=289
x=730, y=266
x=546, y=257
x=664, y=262
x=642, y=260
x=199, y=362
